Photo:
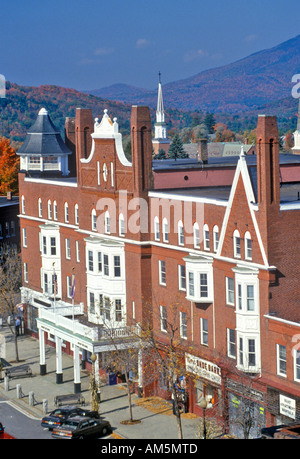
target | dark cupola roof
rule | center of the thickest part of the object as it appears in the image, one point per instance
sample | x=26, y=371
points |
x=43, y=138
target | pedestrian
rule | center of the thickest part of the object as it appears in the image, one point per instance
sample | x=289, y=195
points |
x=18, y=324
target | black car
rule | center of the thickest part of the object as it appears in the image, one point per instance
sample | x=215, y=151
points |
x=59, y=415
x=81, y=427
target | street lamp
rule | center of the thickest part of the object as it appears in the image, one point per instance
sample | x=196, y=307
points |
x=203, y=404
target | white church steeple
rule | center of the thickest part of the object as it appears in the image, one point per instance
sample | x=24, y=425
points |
x=160, y=140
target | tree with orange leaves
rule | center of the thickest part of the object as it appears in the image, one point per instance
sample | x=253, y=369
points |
x=9, y=167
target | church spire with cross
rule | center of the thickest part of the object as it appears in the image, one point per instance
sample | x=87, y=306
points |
x=161, y=140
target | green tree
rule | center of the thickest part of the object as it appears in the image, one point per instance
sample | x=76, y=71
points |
x=176, y=149
x=161, y=154
x=209, y=121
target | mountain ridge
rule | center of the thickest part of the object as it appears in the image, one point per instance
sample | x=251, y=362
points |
x=249, y=82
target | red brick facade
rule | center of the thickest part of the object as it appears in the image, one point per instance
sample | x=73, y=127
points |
x=239, y=289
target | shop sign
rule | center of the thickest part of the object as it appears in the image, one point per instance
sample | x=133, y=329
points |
x=287, y=406
x=203, y=368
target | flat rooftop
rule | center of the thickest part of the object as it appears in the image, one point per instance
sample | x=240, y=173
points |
x=224, y=161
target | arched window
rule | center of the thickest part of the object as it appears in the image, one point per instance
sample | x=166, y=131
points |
x=196, y=235
x=156, y=229
x=216, y=238
x=40, y=207
x=66, y=212
x=180, y=233
x=236, y=244
x=94, y=220
x=248, y=246
x=76, y=210
x=107, y=222
x=206, y=237
x=23, y=205
x=49, y=210
x=121, y=225
x=165, y=230
x=55, y=210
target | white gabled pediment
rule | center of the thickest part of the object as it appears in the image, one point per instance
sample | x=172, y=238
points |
x=242, y=171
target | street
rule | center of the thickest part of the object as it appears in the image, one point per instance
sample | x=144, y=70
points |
x=19, y=424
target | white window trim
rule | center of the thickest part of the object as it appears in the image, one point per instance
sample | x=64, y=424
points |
x=198, y=265
x=156, y=229
x=295, y=364
x=68, y=248
x=66, y=208
x=216, y=237
x=279, y=373
x=196, y=235
x=180, y=230
x=121, y=225
x=183, y=326
x=227, y=291
x=165, y=230
x=180, y=277
x=228, y=344
x=40, y=208
x=236, y=252
x=76, y=211
x=203, y=332
x=163, y=316
x=160, y=272
x=206, y=241
x=94, y=220
x=246, y=239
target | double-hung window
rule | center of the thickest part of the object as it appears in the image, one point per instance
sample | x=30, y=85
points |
x=90, y=260
x=281, y=360
x=162, y=272
x=68, y=249
x=105, y=265
x=203, y=285
x=183, y=325
x=181, y=277
x=206, y=237
x=53, y=246
x=204, y=332
x=229, y=290
x=117, y=266
x=180, y=233
x=231, y=344
x=237, y=244
x=118, y=310
x=163, y=318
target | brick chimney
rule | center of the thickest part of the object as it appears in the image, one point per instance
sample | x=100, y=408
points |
x=268, y=174
x=202, y=151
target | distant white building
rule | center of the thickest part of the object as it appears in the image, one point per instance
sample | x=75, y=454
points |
x=160, y=140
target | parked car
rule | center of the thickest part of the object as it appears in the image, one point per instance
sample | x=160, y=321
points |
x=82, y=427
x=59, y=415
x=4, y=435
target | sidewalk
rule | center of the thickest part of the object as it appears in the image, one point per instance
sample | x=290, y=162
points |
x=114, y=400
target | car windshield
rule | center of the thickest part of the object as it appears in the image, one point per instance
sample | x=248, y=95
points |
x=71, y=424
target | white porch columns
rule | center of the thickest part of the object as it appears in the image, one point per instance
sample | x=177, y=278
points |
x=43, y=369
x=77, y=383
x=59, y=372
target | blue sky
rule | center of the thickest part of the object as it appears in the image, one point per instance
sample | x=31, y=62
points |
x=94, y=43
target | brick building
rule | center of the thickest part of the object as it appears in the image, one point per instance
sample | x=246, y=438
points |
x=220, y=239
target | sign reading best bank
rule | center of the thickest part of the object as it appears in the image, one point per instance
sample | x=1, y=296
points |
x=203, y=368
